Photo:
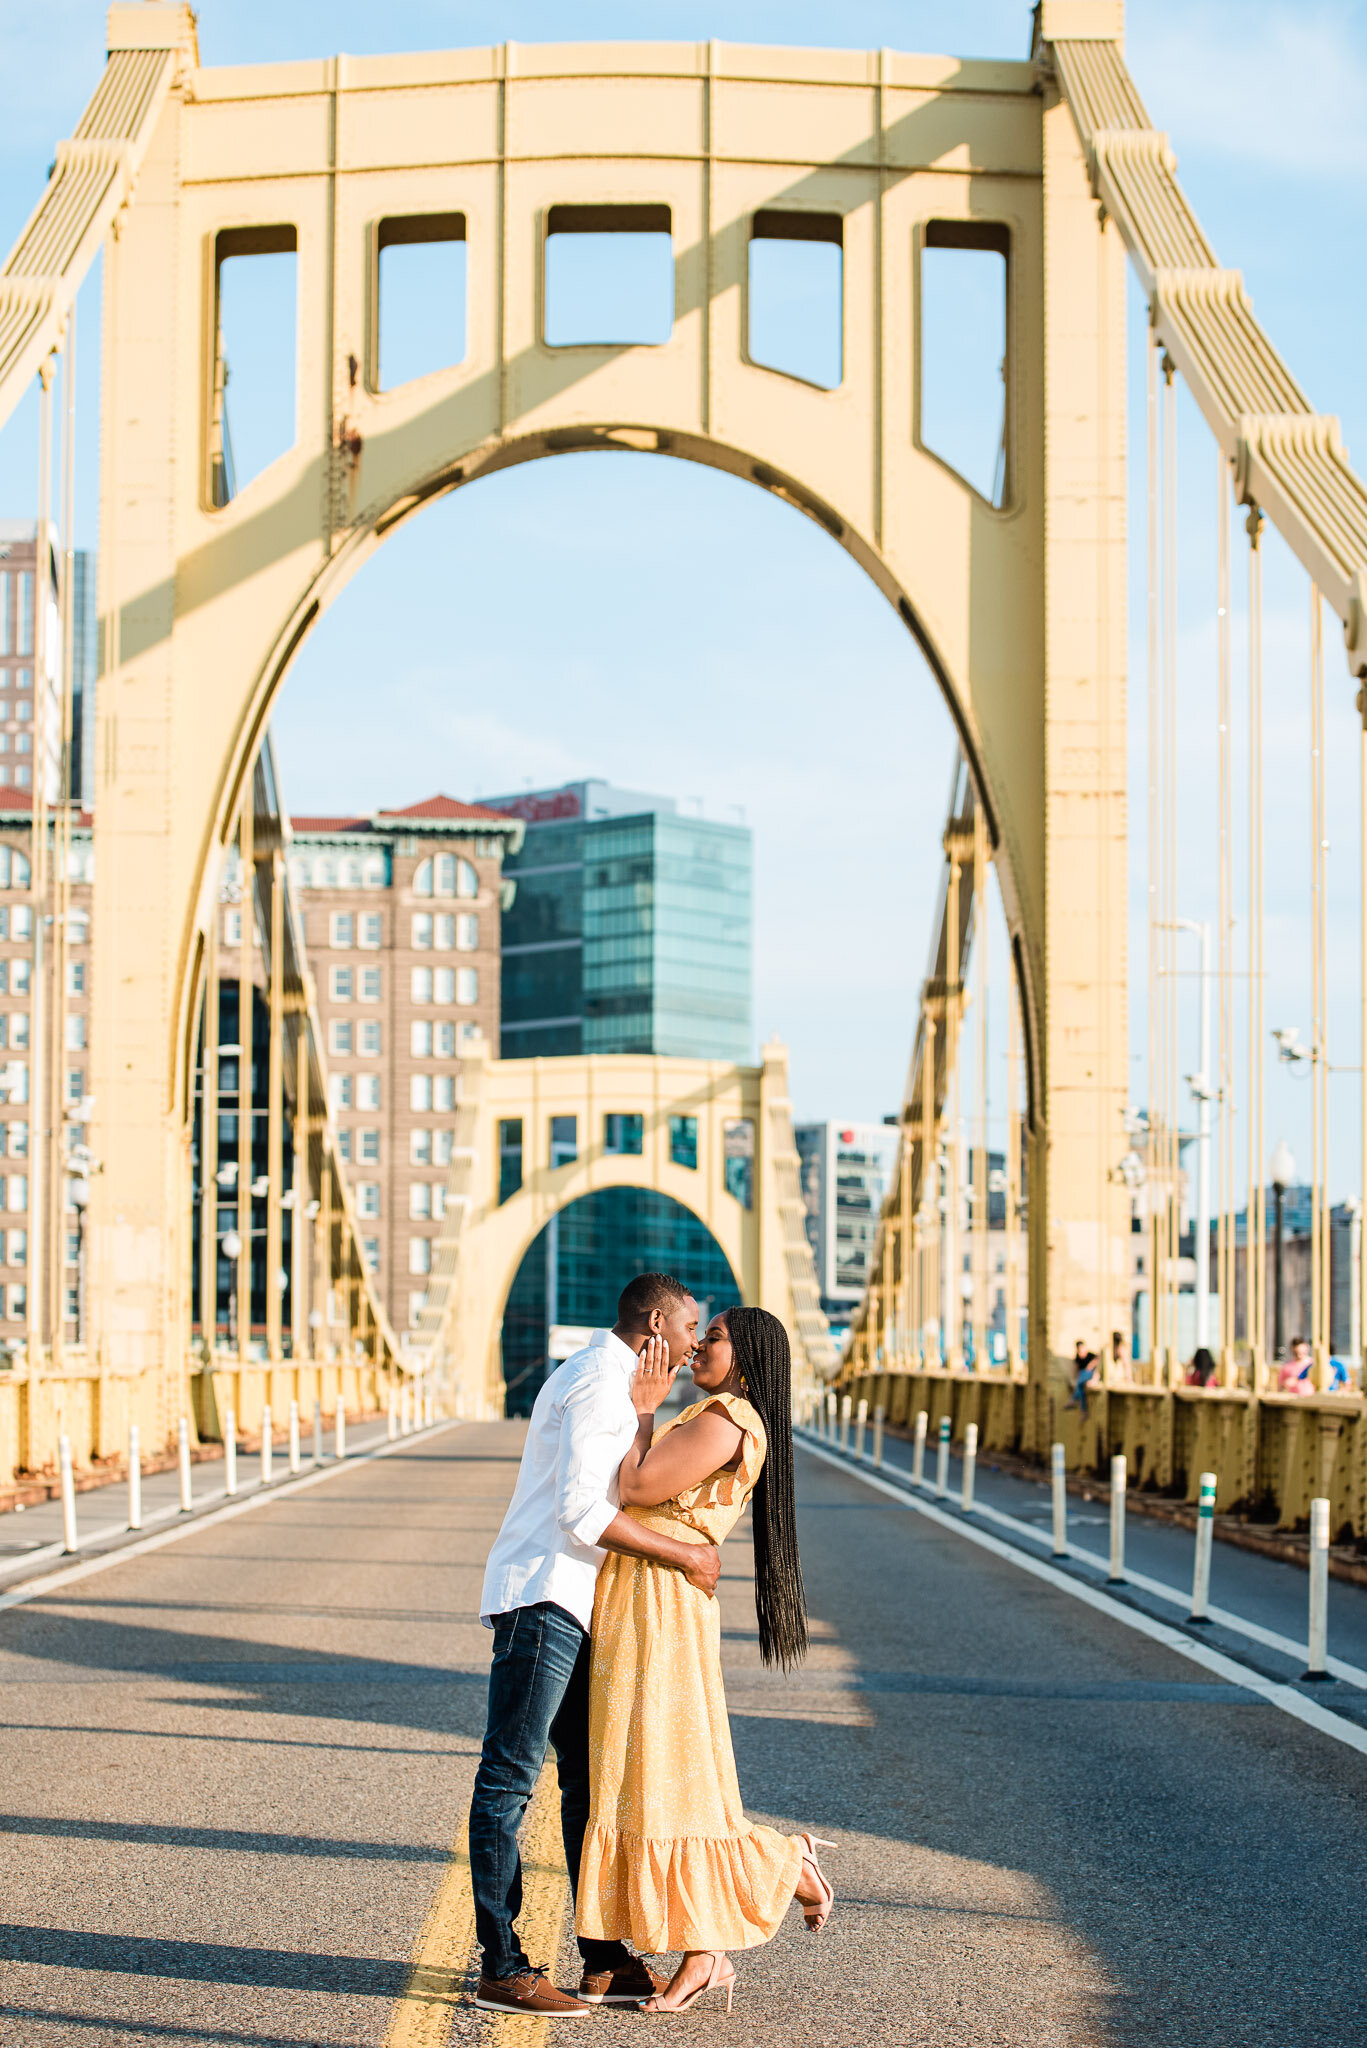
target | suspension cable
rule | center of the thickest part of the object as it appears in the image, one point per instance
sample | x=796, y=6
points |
x=1255, y=1234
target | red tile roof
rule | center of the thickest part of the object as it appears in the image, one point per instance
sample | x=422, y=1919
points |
x=332, y=824
x=19, y=803
x=436, y=807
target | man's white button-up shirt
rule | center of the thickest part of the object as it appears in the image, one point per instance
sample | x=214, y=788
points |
x=581, y=1428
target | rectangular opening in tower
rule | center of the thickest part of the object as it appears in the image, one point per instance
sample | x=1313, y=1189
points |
x=420, y=297
x=609, y=276
x=252, y=412
x=795, y=313
x=963, y=411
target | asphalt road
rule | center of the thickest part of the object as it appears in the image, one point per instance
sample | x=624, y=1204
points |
x=236, y=1766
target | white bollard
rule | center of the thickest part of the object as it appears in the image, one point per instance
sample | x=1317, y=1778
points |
x=339, y=1447
x=918, y=1448
x=295, y=1460
x=830, y=1418
x=429, y=1408
x=392, y=1423
x=970, y=1466
x=267, y=1428
x=942, y=1461
x=405, y=1409
x=187, y=1493
x=846, y=1404
x=878, y=1420
x=230, y=1453
x=1058, y=1474
x=1317, y=1665
x=1205, y=1532
x=861, y=1418
x=70, y=1542
x=134, y=1476
x=317, y=1432
x=1117, y=1572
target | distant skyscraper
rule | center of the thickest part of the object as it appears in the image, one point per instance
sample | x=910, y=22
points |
x=630, y=930
x=83, y=676
x=846, y=1172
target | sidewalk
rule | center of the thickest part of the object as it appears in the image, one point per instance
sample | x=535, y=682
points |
x=31, y=1537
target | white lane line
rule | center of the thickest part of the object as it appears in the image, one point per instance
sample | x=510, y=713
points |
x=50, y=1582
x=1284, y=1697
x=1351, y=1674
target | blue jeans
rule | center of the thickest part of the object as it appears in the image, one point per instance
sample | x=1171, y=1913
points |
x=538, y=1695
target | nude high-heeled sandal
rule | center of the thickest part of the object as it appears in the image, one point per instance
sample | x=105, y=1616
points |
x=817, y=1915
x=715, y=1982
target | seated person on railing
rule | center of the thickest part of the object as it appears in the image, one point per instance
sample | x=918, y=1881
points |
x=1201, y=1371
x=1296, y=1374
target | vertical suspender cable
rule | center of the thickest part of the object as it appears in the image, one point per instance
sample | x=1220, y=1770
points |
x=1255, y=1249
x=981, y=1209
x=62, y=879
x=1168, y=935
x=1224, y=1108
x=1320, y=1298
x=39, y=1119
x=1154, y=1179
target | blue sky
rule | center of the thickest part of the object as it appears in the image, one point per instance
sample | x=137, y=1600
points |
x=672, y=628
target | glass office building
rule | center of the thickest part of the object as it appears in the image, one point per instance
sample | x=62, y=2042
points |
x=630, y=929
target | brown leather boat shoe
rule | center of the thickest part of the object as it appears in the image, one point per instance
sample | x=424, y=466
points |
x=628, y=1984
x=529, y=1991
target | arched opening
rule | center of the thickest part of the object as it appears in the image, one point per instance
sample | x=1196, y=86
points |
x=570, y=1276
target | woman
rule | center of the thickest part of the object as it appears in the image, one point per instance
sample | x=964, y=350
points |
x=670, y=1861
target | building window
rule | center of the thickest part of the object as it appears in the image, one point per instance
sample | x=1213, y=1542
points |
x=443, y=1092
x=78, y=928
x=467, y=985
x=370, y=984
x=75, y=977
x=16, y=1196
x=17, y=1146
x=444, y=1041
x=232, y=928
x=444, y=932
x=422, y=984
x=368, y=1144
x=18, y=1304
x=18, y=977
x=342, y=1090
x=467, y=933
x=369, y=1038
x=420, y=1201
x=419, y=1254
x=18, y=1247
x=420, y=1040
x=420, y=1091
x=367, y=1091
x=73, y=1248
x=344, y=1145
x=444, y=985
x=343, y=980
x=23, y=777
x=370, y=1252
x=14, y=869
x=372, y=931
x=509, y=1156
x=17, y=1081
x=420, y=1147
x=564, y=1140
x=367, y=1198
x=75, y=1032
x=376, y=871
x=341, y=931
x=738, y=1140
x=623, y=1133
x=75, y=1083
x=442, y=1143
x=422, y=931
x=422, y=878
x=683, y=1141
x=417, y=1304
x=341, y=1037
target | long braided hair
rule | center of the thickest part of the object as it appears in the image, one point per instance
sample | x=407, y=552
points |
x=759, y=1344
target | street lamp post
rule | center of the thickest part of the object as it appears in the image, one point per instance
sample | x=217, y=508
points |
x=1282, y=1168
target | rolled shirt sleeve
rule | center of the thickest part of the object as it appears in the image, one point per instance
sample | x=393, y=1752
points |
x=586, y=1470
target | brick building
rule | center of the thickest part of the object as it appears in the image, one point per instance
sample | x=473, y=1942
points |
x=402, y=923
x=19, y=1020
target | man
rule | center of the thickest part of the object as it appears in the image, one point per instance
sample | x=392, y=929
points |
x=538, y=1599
x=1084, y=1372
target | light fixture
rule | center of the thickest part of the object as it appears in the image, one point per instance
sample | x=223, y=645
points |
x=1290, y=1051
x=261, y=1186
x=1281, y=1166
x=231, y=1245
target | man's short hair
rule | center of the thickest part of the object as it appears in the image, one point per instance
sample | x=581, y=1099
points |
x=647, y=1292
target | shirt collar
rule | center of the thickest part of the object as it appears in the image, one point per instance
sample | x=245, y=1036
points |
x=621, y=1354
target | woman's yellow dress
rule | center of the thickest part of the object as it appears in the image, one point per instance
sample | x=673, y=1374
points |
x=670, y=1861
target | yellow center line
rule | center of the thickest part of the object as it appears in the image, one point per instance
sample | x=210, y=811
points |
x=436, y=1976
